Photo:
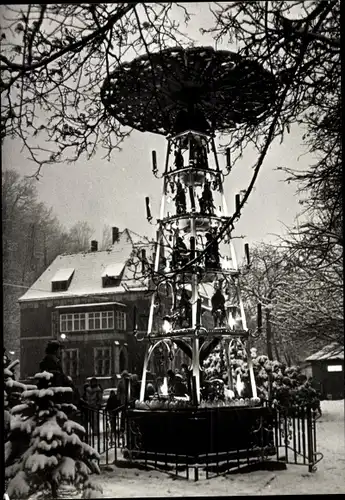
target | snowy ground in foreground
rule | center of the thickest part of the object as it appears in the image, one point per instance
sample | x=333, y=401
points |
x=329, y=477
x=296, y=480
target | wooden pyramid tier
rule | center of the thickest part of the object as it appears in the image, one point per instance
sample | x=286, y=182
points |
x=195, y=88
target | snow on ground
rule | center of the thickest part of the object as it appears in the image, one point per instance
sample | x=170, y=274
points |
x=295, y=480
x=329, y=477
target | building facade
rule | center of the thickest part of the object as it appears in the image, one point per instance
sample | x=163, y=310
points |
x=89, y=302
x=327, y=369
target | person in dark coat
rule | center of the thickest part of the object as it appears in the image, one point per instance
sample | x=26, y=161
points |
x=185, y=310
x=180, y=254
x=180, y=388
x=206, y=200
x=52, y=363
x=180, y=199
x=135, y=387
x=83, y=399
x=187, y=377
x=7, y=360
x=159, y=383
x=112, y=403
x=212, y=257
x=122, y=388
x=83, y=406
x=178, y=159
x=94, y=394
x=218, y=308
x=150, y=391
x=122, y=394
x=171, y=381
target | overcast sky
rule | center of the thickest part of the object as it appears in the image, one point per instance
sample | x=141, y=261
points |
x=113, y=193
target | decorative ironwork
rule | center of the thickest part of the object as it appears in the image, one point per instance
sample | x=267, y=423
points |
x=196, y=88
x=262, y=438
x=134, y=438
x=266, y=441
x=187, y=95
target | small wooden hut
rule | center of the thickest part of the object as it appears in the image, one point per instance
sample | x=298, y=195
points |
x=327, y=369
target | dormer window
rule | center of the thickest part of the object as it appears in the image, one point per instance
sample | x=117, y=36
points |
x=112, y=275
x=62, y=280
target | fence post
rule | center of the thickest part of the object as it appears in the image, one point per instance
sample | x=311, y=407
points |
x=127, y=435
x=310, y=440
x=106, y=438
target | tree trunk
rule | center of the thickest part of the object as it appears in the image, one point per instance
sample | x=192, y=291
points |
x=287, y=357
x=275, y=348
x=269, y=335
x=54, y=490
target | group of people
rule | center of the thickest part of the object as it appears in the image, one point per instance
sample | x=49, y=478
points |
x=128, y=390
x=197, y=154
x=179, y=384
x=92, y=395
x=205, y=201
x=181, y=255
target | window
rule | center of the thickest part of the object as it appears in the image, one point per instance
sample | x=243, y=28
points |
x=75, y=322
x=103, y=320
x=62, y=279
x=102, y=361
x=59, y=286
x=109, y=281
x=334, y=368
x=120, y=320
x=70, y=362
x=107, y=320
x=112, y=275
x=80, y=322
x=94, y=321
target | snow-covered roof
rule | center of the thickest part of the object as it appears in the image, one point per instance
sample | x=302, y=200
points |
x=91, y=305
x=63, y=275
x=89, y=267
x=329, y=352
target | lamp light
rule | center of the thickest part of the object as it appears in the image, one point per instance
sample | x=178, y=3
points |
x=167, y=324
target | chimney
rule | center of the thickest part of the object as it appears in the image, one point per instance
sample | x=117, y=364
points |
x=94, y=246
x=115, y=234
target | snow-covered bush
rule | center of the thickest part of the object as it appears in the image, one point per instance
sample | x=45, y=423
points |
x=215, y=367
x=215, y=364
x=12, y=391
x=45, y=448
x=287, y=386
